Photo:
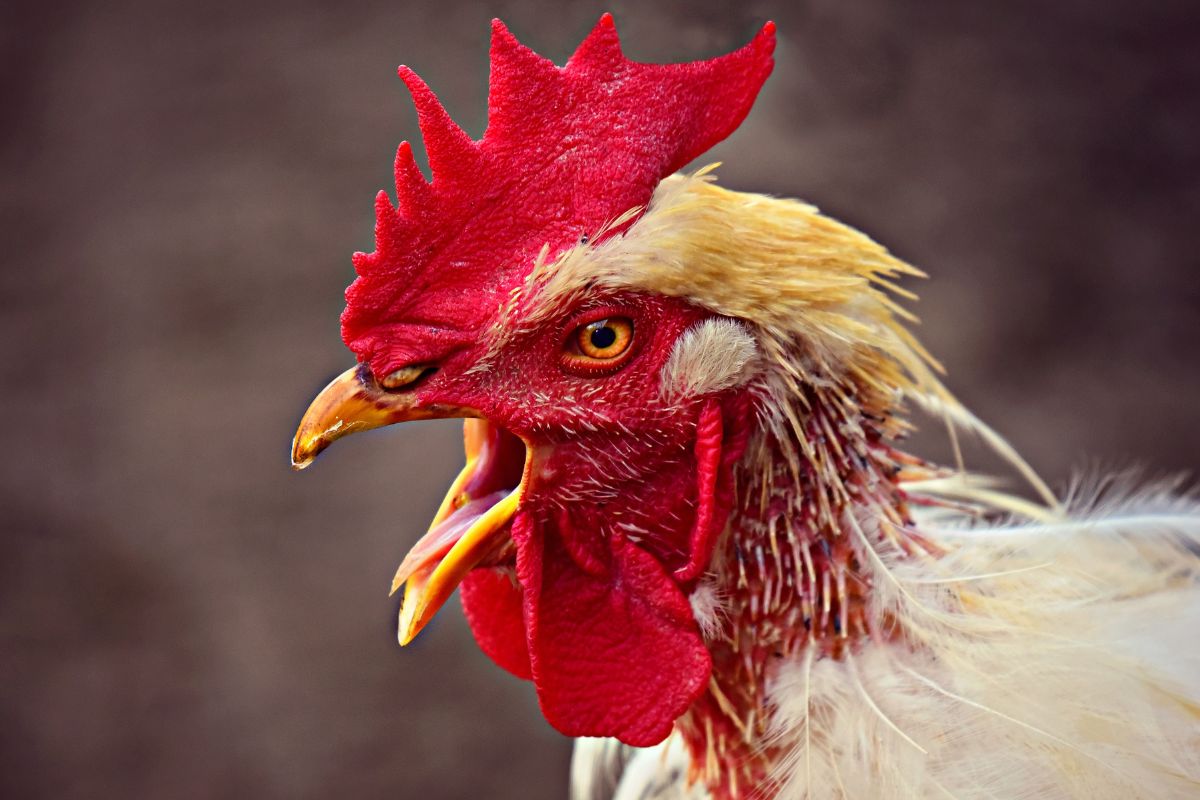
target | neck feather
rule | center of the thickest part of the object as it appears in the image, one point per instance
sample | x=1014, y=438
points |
x=787, y=574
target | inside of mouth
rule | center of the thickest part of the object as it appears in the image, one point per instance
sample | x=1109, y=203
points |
x=497, y=471
x=500, y=463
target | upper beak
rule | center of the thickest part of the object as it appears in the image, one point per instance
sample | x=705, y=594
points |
x=472, y=521
x=352, y=402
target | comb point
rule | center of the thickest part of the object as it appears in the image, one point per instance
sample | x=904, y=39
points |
x=412, y=190
x=451, y=152
x=601, y=47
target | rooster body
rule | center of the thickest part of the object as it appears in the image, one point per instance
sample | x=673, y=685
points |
x=686, y=514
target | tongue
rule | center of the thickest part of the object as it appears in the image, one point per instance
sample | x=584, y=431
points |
x=435, y=544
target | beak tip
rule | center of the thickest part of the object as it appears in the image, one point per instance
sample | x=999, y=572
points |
x=412, y=619
x=406, y=633
x=304, y=453
x=346, y=405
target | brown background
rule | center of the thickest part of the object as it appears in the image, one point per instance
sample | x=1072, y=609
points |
x=182, y=184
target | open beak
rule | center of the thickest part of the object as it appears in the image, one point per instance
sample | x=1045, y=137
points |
x=472, y=526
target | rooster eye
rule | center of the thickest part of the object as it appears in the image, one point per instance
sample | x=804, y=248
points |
x=601, y=344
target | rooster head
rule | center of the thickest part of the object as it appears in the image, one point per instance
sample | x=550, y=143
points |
x=605, y=328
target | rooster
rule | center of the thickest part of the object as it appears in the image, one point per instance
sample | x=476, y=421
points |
x=685, y=513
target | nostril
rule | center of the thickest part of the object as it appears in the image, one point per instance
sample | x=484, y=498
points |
x=406, y=377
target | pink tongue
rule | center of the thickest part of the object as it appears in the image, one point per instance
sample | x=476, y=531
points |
x=435, y=544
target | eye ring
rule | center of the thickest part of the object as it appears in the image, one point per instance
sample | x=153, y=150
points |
x=600, y=345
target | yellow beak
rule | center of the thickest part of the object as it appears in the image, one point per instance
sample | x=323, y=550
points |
x=351, y=402
x=471, y=524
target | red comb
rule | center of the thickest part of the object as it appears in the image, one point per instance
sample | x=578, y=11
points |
x=566, y=150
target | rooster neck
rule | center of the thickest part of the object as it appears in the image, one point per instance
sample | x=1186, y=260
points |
x=788, y=580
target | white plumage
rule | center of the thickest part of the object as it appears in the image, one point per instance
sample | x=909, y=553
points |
x=1057, y=660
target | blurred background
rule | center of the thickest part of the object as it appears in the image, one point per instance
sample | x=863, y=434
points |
x=181, y=186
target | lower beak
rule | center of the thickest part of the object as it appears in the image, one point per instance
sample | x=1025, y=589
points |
x=472, y=523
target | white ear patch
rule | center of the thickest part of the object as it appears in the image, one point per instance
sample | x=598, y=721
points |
x=709, y=356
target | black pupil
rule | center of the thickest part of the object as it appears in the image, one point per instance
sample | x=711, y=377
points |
x=603, y=336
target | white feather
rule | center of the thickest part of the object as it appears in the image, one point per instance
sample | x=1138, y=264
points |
x=708, y=607
x=1046, y=660
x=605, y=769
x=709, y=356
x=596, y=767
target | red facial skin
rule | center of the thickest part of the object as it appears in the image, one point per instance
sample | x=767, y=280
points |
x=606, y=539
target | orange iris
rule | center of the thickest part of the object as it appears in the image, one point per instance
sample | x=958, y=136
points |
x=601, y=344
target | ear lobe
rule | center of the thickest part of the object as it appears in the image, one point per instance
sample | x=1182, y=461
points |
x=721, y=433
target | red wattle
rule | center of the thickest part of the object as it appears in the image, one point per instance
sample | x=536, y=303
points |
x=616, y=654
x=493, y=605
